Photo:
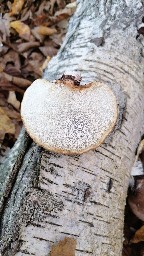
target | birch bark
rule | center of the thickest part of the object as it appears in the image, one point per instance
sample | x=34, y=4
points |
x=80, y=200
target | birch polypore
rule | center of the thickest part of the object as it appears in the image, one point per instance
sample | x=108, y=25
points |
x=67, y=118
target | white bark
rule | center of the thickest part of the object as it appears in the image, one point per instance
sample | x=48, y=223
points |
x=83, y=197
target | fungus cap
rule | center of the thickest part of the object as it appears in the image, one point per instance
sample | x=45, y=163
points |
x=68, y=119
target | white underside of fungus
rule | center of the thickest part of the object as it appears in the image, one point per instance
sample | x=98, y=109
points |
x=68, y=119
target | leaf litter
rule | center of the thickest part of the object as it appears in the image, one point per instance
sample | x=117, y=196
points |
x=134, y=212
x=30, y=35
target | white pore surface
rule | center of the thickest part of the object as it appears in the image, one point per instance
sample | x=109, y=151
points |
x=66, y=120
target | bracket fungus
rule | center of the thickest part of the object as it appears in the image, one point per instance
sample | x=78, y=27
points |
x=66, y=117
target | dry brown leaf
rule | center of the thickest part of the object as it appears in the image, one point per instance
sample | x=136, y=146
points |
x=35, y=61
x=21, y=82
x=12, y=70
x=136, y=198
x=41, y=20
x=21, y=28
x=3, y=49
x=72, y=5
x=45, y=31
x=26, y=14
x=63, y=25
x=65, y=247
x=8, y=86
x=139, y=236
x=16, y=7
x=13, y=100
x=32, y=69
x=26, y=46
x=61, y=4
x=57, y=39
x=44, y=6
x=12, y=57
x=6, y=124
x=12, y=114
x=4, y=26
x=41, y=31
x=2, y=66
x=3, y=101
x=45, y=64
x=49, y=51
x=63, y=14
x=37, y=35
x=127, y=251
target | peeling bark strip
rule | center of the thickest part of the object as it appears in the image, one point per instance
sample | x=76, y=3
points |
x=56, y=197
x=65, y=247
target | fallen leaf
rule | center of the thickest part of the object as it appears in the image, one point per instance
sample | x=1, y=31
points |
x=12, y=114
x=5, y=26
x=126, y=250
x=8, y=86
x=63, y=14
x=26, y=14
x=12, y=70
x=57, y=39
x=13, y=100
x=139, y=236
x=3, y=101
x=35, y=61
x=72, y=5
x=45, y=64
x=6, y=124
x=3, y=49
x=12, y=57
x=65, y=247
x=26, y=46
x=136, y=198
x=43, y=7
x=49, y=51
x=41, y=31
x=63, y=24
x=2, y=66
x=21, y=82
x=61, y=4
x=21, y=28
x=32, y=69
x=41, y=19
x=45, y=31
x=16, y=7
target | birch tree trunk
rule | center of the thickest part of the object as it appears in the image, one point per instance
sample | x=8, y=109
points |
x=62, y=205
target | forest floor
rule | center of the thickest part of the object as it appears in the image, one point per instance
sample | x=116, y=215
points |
x=31, y=32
